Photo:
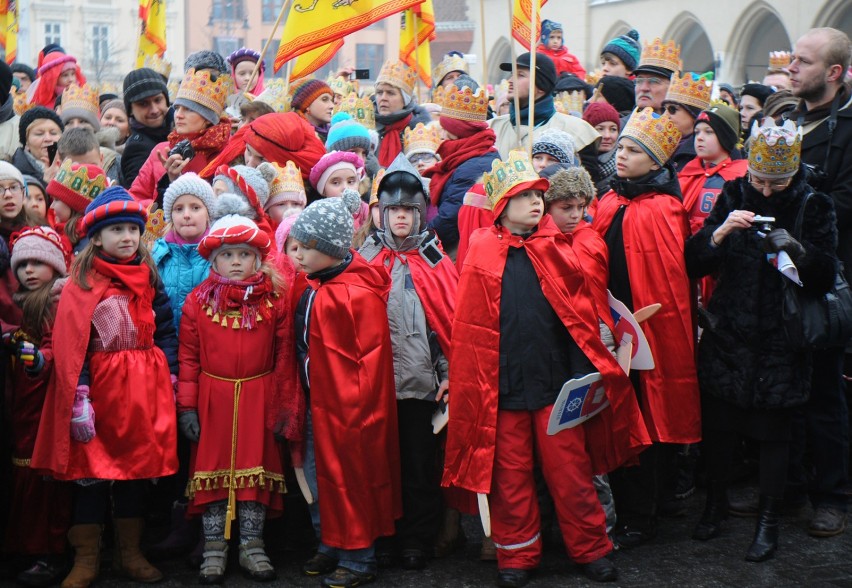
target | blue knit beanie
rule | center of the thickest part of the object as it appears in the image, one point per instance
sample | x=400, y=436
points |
x=112, y=206
x=547, y=27
x=346, y=134
x=626, y=48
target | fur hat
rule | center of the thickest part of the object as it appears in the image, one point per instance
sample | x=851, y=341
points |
x=331, y=162
x=626, y=48
x=112, y=206
x=188, y=183
x=34, y=114
x=558, y=144
x=569, y=184
x=205, y=59
x=346, y=134
x=248, y=183
x=42, y=244
x=327, y=225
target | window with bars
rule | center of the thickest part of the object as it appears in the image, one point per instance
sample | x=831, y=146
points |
x=52, y=33
x=100, y=43
x=228, y=10
x=270, y=9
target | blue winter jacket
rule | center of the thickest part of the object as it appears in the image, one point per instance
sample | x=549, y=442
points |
x=181, y=269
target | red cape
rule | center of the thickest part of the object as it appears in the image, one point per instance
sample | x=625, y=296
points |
x=692, y=178
x=594, y=260
x=655, y=230
x=353, y=407
x=613, y=437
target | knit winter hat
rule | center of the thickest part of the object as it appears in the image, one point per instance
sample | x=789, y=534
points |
x=330, y=163
x=34, y=114
x=24, y=69
x=113, y=103
x=81, y=102
x=143, y=83
x=188, y=183
x=558, y=144
x=205, y=59
x=232, y=231
x=619, y=92
x=626, y=48
x=77, y=185
x=306, y=91
x=567, y=184
x=34, y=181
x=112, y=206
x=758, y=91
x=327, y=225
x=249, y=183
x=346, y=134
x=283, y=230
x=599, y=112
x=725, y=122
x=547, y=27
x=41, y=244
x=10, y=172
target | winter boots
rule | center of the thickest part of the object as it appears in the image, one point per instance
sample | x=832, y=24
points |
x=715, y=511
x=128, y=559
x=766, y=533
x=86, y=541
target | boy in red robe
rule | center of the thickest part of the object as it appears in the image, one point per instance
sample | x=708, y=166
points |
x=521, y=286
x=346, y=366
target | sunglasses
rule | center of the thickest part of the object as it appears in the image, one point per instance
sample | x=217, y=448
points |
x=672, y=108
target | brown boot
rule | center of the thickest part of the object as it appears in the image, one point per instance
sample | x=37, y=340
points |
x=86, y=541
x=451, y=535
x=128, y=558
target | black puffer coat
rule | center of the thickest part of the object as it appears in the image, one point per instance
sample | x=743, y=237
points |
x=744, y=357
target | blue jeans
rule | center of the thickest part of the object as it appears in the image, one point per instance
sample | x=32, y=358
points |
x=358, y=560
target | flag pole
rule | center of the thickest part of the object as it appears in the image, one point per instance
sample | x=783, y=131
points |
x=256, y=71
x=534, y=9
x=416, y=55
x=287, y=79
x=482, y=34
x=514, y=76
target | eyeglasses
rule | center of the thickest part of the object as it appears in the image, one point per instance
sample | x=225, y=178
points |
x=649, y=81
x=421, y=158
x=774, y=185
x=15, y=190
x=672, y=109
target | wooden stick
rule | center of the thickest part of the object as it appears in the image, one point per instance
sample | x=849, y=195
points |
x=416, y=55
x=259, y=63
x=482, y=34
x=514, y=78
x=533, y=41
x=287, y=78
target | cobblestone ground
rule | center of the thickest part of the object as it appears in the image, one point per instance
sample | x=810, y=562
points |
x=673, y=559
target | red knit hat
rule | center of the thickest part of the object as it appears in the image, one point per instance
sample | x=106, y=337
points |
x=77, y=184
x=305, y=92
x=598, y=112
x=234, y=230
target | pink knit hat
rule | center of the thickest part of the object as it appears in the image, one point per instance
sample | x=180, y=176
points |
x=41, y=244
x=331, y=162
x=283, y=231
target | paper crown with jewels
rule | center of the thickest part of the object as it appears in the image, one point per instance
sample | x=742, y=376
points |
x=158, y=64
x=398, y=75
x=199, y=87
x=657, y=134
x=341, y=85
x=463, y=103
x=20, y=102
x=510, y=177
x=660, y=54
x=775, y=152
x=275, y=94
x=568, y=102
x=593, y=77
x=360, y=109
x=779, y=60
x=691, y=89
x=449, y=63
x=78, y=187
x=421, y=139
x=374, y=189
x=287, y=179
x=83, y=97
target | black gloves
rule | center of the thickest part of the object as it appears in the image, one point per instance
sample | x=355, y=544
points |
x=780, y=240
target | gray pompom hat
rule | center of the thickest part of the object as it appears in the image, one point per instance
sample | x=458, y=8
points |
x=327, y=225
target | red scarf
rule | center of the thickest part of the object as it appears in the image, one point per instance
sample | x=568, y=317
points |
x=391, y=143
x=454, y=153
x=210, y=139
x=136, y=277
x=250, y=297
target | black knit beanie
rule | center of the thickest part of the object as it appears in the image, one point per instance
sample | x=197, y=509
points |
x=143, y=83
x=619, y=92
x=34, y=114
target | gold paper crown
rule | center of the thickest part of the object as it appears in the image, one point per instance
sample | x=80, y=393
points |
x=593, y=77
x=173, y=87
x=275, y=95
x=505, y=175
x=84, y=97
x=690, y=89
x=158, y=64
x=106, y=88
x=421, y=139
x=398, y=75
x=287, y=179
x=448, y=64
x=20, y=102
x=464, y=104
x=775, y=152
x=374, y=189
x=568, y=102
x=155, y=225
x=340, y=85
x=79, y=181
x=199, y=87
x=779, y=60
x=659, y=54
x=360, y=109
x=658, y=134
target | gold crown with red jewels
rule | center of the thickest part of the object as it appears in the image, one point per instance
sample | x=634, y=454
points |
x=660, y=54
x=568, y=102
x=421, y=139
x=657, y=133
x=155, y=225
x=275, y=94
x=84, y=97
x=158, y=64
x=360, y=109
x=779, y=60
x=374, y=189
x=463, y=103
x=775, y=152
x=340, y=85
x=449, y=63
x=398, y=75
x=287, y=179
x=199, y=87
x=20, y=102
x=505, y=175
x=691, y=89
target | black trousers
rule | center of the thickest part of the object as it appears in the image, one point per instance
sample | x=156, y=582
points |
x=92, y=503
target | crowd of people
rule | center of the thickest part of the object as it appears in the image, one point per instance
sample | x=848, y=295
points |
x=215, y=296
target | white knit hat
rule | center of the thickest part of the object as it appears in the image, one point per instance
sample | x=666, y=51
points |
x=192, y=184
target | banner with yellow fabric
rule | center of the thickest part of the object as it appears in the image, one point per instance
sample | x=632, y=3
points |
x=152, y=40
x=418, y=29
x=521, y=20
x=9, y=28
x=308, y=63
x=314, y=23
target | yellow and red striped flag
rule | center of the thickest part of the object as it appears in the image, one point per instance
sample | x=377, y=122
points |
x=418, y=24
x=9, y=28
x=308, y=63
x=152, y=40
x=521, y=21
x=315, y=23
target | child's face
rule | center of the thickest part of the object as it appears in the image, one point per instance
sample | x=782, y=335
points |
x=310, y=260
x=613, y=66
x=67, y=77
x=555, y=40
x=11, y=199
x=120, y=241
x=33, y=274
x=242, y=73
x=339, y=181
x=422, y=161
x=189, y=217
x=401, y=221
x=360, y=152
x=542, y=160
x=609, y=135
x=631, y=161
x=376, y=214
x=282, y=210
x=236, y=264
x=567, y=214
x=61, y=210
x=251, y=156
x=35, y=202
x=290, y=248
x=523, y=211
x=707, y=145
x=220, y=187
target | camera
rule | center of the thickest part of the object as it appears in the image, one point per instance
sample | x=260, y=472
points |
x=360, y=74
x=763, y=224
x=183, y=148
